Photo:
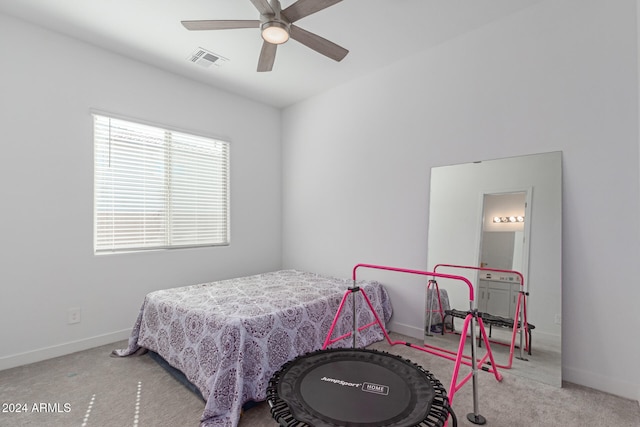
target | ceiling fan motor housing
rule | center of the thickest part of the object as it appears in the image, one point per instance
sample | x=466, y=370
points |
x=274, y=27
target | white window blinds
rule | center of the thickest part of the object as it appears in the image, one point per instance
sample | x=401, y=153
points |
x=157, y=188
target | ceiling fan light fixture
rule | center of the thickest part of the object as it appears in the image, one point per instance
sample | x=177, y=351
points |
x=275, y=32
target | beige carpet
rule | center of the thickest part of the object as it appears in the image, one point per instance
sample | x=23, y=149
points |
x=90, y=388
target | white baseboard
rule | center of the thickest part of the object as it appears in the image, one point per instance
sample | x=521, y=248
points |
x=38, y=355
x=408, y=330
x=600, y=382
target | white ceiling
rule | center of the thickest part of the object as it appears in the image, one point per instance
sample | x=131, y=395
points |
x=376, y=32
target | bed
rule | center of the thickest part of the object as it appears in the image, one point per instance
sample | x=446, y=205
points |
x=229, y=337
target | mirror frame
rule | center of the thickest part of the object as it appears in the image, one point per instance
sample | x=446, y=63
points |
x=545, y=264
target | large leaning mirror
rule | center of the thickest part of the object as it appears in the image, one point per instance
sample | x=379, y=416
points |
x=503, y=214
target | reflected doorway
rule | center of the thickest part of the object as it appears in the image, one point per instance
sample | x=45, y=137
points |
x=503, y=247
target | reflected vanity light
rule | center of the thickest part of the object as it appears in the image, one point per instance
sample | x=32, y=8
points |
x=502, y=219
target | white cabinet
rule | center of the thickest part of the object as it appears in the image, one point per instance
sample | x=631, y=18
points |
x=498, y=298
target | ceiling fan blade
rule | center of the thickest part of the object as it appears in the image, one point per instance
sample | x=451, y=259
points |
x=302, y=8
x=220, y=25
x=317, y=43
x=263, y=7
x=267, y=56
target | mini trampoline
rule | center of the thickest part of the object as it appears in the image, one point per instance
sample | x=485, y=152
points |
x=356, y=388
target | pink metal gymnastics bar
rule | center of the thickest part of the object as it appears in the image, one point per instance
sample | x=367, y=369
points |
x=521, y=308
x=459, y=358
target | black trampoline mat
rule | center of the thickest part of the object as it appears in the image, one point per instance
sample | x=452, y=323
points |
x=356, y=387
x=354, y=391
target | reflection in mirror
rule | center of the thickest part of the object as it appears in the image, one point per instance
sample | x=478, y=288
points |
x=503, y=231
x=501, y=214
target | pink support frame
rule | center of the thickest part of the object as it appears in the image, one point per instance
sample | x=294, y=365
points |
x=521, y=307
x=458, y=357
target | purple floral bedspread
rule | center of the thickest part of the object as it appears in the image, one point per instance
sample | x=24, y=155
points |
x=229, y=337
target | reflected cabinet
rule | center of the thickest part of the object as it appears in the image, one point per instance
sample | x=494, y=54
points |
x=498, y=298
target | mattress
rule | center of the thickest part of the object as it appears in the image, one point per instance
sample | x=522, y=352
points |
x=229, y=337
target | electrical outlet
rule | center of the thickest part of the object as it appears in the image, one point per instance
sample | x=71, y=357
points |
x=73, y=316
x=558, y=319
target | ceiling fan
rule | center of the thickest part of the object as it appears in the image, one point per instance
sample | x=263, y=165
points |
x=277, y=26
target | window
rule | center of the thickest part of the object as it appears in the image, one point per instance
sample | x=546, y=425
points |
x=157, y=188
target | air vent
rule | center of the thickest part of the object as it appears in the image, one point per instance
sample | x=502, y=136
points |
x=206, y=59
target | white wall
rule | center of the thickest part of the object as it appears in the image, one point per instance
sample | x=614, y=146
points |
x=559, y=76
x=48, y=86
